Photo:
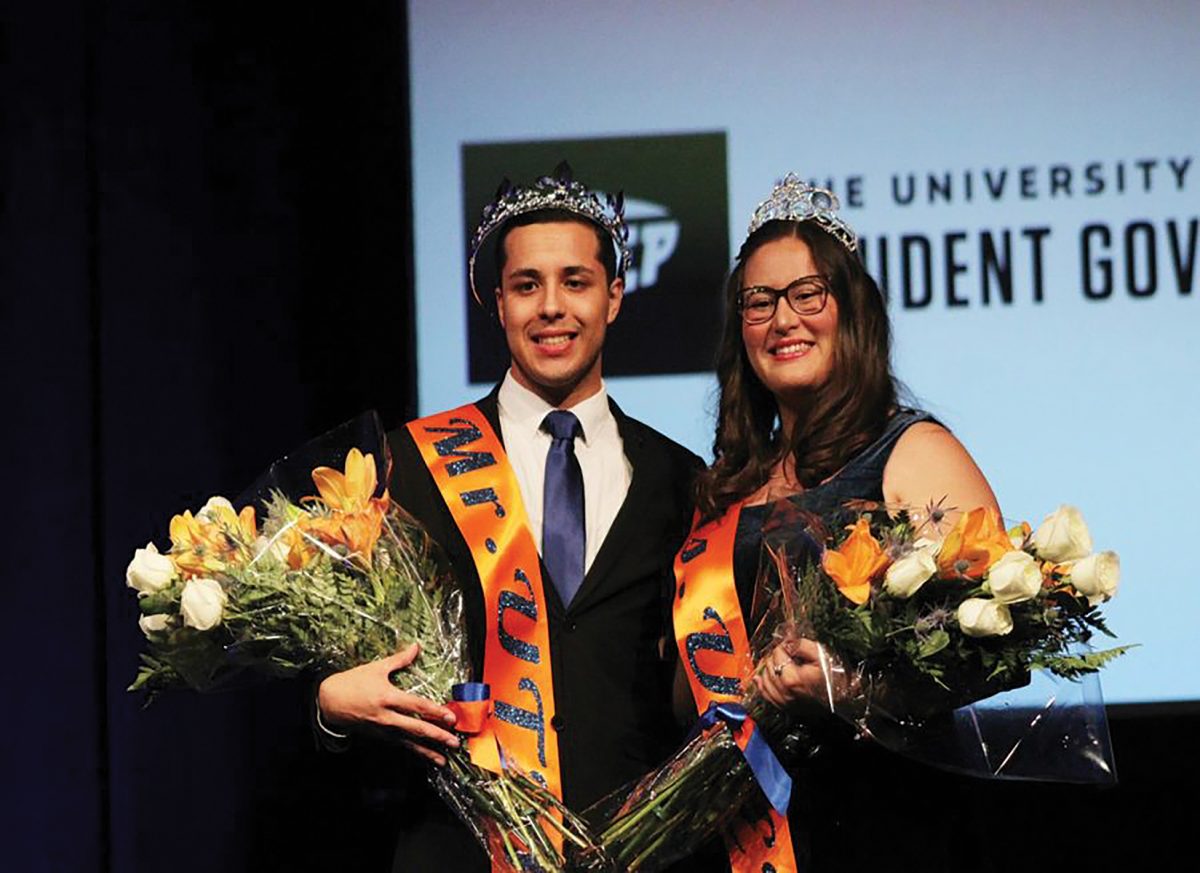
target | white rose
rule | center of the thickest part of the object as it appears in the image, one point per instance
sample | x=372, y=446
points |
x=277, y=547
x=149, y=571
x=1062, y=536
x=984, y=618
x=905, y=577
x=1096, y=576
x=154, y=623
x=208, y=512
x=202, y=603
x=1015, y=577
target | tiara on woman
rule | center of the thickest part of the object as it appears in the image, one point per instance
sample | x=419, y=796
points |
x=557, y=191
x=794, y=200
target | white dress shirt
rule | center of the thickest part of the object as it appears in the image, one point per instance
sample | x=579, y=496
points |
x=601, y=453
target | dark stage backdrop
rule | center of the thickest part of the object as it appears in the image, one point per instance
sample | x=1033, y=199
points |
x=204, y=260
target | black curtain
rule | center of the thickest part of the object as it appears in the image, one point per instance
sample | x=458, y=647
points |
x=206, y=260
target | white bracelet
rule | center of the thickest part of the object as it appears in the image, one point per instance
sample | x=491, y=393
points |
x=321, y=724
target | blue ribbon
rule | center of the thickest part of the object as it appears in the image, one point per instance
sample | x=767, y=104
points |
x=470, y=692
x=774, y=781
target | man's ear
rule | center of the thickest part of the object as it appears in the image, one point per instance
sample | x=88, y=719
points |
x=499, y=308
x=616, y=293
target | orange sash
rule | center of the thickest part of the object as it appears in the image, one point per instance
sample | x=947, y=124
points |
x=715, y=650
x=475, y=479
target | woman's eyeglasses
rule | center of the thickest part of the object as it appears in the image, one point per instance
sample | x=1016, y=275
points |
x=807, y=296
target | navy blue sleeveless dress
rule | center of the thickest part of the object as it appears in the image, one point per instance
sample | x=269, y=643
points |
x=860, y=479
x=837, y=784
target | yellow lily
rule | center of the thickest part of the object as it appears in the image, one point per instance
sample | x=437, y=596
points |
x=212, y=541
x=348, y=491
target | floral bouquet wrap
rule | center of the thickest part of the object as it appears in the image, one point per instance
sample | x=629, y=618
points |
x=324, y=583
x=966, y=646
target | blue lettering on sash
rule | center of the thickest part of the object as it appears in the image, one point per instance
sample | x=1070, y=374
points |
x=483, y=495
x=527, y=606
x=465, y=433
x=769, y=838
x=694, y=548
x=533, y=720
x=721, y=642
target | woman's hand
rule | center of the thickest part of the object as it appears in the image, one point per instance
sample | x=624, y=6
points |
x=792, y=673
x=364, y=697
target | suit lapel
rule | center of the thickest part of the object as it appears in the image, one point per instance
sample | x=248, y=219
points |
x=626, y=523
x=490, y=407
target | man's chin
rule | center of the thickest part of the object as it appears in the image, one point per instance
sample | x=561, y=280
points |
x=557, y=382
x=552, y=383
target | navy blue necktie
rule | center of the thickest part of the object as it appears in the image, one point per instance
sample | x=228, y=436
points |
x=563, y=534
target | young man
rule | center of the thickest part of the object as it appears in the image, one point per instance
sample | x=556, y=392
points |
x=560, y=514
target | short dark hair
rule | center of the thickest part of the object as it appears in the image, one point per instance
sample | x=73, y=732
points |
x=607, y=254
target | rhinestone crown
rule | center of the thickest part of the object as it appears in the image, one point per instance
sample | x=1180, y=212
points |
x=558, y=191
x=792, y=199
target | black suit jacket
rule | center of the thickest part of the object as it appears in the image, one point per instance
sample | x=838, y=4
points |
x=612, y=688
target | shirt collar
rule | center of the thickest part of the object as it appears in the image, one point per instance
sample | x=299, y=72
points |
x=527, y=410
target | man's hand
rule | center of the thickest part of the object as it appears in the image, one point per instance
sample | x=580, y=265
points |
x=364, y=697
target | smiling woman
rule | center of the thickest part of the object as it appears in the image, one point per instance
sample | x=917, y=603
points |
x=809, y=419
x=805, y=372
x=555, y=302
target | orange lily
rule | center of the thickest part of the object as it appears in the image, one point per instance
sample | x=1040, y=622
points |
x=975, y=542
x=855, y=564
x=1055, y=575
x=360, y=532
x=357, y=532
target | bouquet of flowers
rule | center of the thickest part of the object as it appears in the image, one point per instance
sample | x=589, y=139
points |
x=923, y=633
x=326, y=583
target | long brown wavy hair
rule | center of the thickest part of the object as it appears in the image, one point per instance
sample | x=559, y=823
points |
x=848, y=412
